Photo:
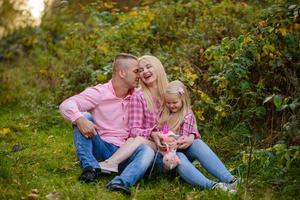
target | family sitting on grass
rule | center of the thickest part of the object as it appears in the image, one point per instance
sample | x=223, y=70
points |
x=121, y=128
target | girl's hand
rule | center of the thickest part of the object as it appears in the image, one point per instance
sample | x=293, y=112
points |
x=185, y=141
x=157, y=137
x=173, y=145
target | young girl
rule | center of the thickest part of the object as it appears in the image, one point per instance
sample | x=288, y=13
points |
x=178, y=116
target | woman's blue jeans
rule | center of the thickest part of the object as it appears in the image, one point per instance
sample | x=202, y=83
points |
x=207, y=158
x=92, y=150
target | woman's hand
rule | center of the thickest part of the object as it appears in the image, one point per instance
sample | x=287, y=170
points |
x=185, y=141
x=157, y=137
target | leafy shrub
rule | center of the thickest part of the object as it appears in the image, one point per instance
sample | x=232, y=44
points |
x=244, y=71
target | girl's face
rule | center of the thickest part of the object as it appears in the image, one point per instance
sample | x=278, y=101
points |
x=173, y=103
x=147, y=72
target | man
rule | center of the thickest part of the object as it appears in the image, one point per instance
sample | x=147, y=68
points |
x=97, y=138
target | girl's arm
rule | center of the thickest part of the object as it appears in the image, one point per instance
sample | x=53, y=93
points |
x=189, y=126
x=188, y=132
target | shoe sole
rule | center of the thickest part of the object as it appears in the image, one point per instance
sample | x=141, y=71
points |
x=119, y=188
x=105, y=171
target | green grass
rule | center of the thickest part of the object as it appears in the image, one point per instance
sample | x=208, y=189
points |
x=46, y=162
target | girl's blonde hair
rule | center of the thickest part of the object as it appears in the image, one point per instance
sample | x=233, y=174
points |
x=174, y=120
x=161, y=80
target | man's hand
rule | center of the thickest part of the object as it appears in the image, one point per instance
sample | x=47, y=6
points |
x=86, y=127
x=157, y=137
x=185, y=141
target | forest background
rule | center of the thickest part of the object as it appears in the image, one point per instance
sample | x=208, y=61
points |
x=239, y=59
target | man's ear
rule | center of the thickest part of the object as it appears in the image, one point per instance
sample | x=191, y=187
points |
x=122, y=73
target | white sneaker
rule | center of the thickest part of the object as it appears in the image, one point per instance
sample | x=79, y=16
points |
x=225, y=187
x=234, y=183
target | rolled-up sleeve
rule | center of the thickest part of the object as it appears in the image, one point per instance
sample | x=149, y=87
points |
x=72, y=107
x=189, y=126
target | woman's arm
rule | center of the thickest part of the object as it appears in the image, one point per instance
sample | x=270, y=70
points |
x=137, y=120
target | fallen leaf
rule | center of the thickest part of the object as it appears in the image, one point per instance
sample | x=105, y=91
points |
x=5, y=131
x=33, y=194
x=53, y=195
x=50, y=136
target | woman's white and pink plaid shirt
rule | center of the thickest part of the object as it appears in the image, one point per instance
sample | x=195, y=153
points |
x=142, y=121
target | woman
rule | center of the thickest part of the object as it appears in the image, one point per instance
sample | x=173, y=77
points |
x=144, y=110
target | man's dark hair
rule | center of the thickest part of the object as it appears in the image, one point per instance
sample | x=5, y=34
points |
x=122, y=56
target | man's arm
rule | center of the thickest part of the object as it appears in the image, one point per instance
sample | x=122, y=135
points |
x=72, y=107
x=86, y=127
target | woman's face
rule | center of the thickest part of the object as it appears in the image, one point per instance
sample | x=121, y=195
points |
x=147, y=73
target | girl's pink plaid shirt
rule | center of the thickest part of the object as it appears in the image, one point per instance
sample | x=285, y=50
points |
x=142, y=121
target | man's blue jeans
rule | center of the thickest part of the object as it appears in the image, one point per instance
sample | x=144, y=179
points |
x=207, y=158
x=92, y=150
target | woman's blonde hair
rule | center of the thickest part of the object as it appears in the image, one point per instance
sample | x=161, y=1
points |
x=174, y=120
x=161, y=80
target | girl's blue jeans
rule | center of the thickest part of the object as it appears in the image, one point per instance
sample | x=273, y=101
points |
x=207, y=158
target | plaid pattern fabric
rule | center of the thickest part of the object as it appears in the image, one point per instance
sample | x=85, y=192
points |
x=188, y=126
x=141, y=120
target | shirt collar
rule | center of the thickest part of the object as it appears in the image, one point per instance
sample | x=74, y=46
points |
x=111, y=88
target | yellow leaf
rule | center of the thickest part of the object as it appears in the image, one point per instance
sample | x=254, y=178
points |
x=101, y=78
x=263, y=23
x=268, y=48
x=222, y=114
x=43, y=72
x=5, y=131
x=150, y=15
x=204, y=97
x=245, y=158
x=283, y=31
x=199, y=114
x=133, y=13
x=108, y=5
x=222, y=84
x=218, y=108
x=257, y=57
x=176, y=68
x=145, y=25
x=247, y=40
x=103, y=48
